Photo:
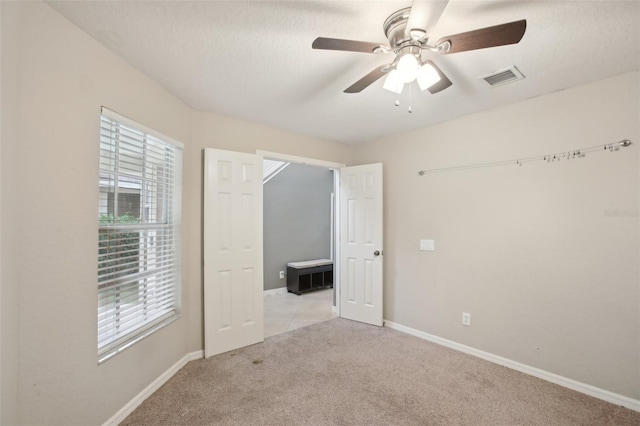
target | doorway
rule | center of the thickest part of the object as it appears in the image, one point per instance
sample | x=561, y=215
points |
x=233, y=247
x=299, y=226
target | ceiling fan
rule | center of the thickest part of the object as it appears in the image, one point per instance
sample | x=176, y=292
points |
x=408, y=33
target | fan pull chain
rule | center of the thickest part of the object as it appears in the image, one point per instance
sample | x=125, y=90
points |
x=397, y=102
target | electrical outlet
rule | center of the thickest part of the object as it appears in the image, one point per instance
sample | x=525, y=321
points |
x=281, y=275
x=466, y=319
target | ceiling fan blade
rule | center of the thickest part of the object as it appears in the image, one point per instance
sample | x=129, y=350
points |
x=424, y=15
x=442, y=84
x=498, y=35
x=367, y=80
x=349, y=45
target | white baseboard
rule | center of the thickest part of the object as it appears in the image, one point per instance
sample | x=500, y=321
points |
x=276, y=291
x=590, y=390
x=154, y=386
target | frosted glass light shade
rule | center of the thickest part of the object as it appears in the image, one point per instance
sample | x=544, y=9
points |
x=408, y=67
x=393, y=82
x=427, y=76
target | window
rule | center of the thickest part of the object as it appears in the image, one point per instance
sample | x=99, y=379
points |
x=138, y=233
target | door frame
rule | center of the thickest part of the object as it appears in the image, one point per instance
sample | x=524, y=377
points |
x=336, y=207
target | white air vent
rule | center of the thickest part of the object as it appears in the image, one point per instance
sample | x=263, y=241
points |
x=503, y=77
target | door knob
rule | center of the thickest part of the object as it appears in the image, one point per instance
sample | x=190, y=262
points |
x=376, y=253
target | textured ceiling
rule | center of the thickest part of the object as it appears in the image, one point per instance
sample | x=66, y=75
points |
x=253, y=60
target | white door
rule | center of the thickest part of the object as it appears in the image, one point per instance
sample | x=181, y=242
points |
x=361, y=243
x=233, y=281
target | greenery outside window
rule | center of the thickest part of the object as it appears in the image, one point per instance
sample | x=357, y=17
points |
x=139, y=225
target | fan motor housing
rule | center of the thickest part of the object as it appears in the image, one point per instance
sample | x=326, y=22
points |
x=394, y=28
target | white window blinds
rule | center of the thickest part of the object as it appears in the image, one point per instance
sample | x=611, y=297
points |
x=138, y=232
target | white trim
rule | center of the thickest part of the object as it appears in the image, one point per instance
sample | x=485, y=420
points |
x=337, y=284
x=273, y=173
x=584, y=388
x=275, y=291
x=299, y=160
x=331, y=220
x=154, y=386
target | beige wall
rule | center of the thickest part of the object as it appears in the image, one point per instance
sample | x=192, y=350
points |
x=64, y=78
x=549, y=278
x=8, y=273
x=49, y=187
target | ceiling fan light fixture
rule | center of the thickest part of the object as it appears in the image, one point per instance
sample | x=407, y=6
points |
x=427, y=76
x=407, y=32
x=408, y=67
x=393, y=82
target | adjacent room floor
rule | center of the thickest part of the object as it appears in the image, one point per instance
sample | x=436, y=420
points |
x=286, y=312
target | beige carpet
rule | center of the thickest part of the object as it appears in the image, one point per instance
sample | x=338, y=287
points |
x=341, y=372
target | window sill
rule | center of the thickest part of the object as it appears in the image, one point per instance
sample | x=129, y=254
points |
x=107, y=355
